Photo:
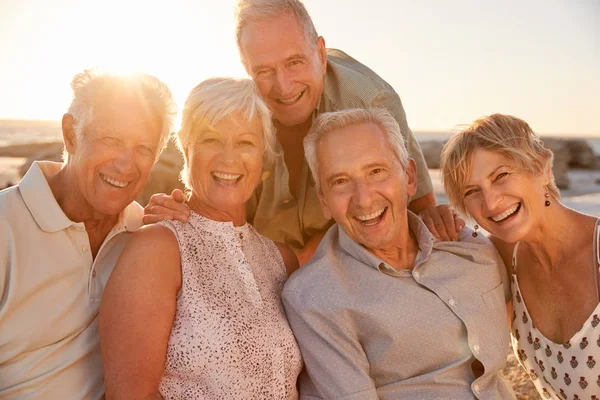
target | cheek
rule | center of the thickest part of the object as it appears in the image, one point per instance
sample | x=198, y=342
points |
x=264, y=87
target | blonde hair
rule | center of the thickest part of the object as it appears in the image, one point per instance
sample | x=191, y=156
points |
x=253, y=10
x=331, y=121
x=93, y=87
x=215, y=99
x=504, y=134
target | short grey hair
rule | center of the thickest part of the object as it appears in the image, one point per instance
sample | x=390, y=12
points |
x=93, y=87
x=332, y=121
x=215, y=99
x=252, y=10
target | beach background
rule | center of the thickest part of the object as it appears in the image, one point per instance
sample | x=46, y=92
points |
x=22, y=140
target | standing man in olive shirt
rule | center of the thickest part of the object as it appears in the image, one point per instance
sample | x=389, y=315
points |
x=299, y=79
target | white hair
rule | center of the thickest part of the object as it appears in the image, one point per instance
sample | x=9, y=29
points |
x=253, y=10
x=93, y=88
x=331, y=121
x=215, y=99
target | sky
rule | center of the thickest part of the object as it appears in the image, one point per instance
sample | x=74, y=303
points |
x=451, y=62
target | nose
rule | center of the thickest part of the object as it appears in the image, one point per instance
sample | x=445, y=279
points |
x=124, y=160
x=491, y=199
x=229, y=154
x=362, y=194
x=283, y=82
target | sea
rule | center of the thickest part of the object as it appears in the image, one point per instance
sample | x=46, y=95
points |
x=27, y=131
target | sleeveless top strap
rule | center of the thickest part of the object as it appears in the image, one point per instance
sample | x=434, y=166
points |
x=596, y=263
x=514, y=258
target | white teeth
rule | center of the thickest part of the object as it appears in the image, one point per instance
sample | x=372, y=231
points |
x=371, y=216
x=114, y=182
x=506, y=213
x=293, y=99
x=222, y=175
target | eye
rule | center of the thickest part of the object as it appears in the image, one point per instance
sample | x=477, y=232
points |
x=246, y=143
x=110, y=141
x=501, y=175
x=376, y=170
x=338, y=181
x=145, y=150
x=294, y=63
x=469, y=192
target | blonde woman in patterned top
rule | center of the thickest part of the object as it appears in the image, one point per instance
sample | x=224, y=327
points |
x=193, y=310
x=498, y=172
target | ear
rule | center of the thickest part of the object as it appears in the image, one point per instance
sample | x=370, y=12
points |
x=68, y=132
x=322, y=54
x=547, y=174
x=324, y=206
x=411, y=175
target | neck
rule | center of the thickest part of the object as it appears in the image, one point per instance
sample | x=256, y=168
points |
x=235, y=215
x=292, y=135
x=546, y=241
x=65, y=190
x=401, y=254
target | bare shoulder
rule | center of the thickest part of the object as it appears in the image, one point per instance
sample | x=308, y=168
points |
x=152, y=249
x=289, y=258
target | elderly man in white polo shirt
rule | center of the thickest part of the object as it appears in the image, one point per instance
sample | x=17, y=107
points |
x=384, y=310
x=62, y=229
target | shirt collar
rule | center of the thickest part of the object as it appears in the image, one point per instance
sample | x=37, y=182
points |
x=425, y=241
x=46, y=211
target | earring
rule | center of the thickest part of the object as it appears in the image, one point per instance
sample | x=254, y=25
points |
x=547, y=203
x=474, y=234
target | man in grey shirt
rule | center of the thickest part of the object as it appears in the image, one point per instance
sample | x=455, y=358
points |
x=384, y=310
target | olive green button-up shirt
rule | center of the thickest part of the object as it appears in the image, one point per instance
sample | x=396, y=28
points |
x=368, y=331
x=293, y=219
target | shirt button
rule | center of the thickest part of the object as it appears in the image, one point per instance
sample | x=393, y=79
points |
x=476, y=388
x=93, y=273
x=416, y=275
x=85, y=249
x=452, y=303
x=476, y=349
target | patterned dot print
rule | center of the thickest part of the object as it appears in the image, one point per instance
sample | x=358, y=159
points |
x=230, y=338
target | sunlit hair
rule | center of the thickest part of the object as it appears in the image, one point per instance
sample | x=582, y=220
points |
x=215, y=99
x=253, y=10
x=510, y=136
x=94, y=88
x=332, y=121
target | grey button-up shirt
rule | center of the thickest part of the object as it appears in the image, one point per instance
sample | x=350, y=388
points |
x=368, y=331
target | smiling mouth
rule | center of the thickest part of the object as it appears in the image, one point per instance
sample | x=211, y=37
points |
x=225, y=178
x=507, y=214
x=373, y=218
x=292, y=100
x=114, y=182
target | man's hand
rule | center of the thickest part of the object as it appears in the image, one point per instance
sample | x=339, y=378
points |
x=164, y=207
x=443, y=222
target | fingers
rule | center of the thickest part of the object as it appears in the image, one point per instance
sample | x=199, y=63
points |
x=164, y=207
x=178, y=196
x=430, y=225
x=443, y=222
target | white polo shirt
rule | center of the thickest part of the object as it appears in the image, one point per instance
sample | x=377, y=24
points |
x=50, y=290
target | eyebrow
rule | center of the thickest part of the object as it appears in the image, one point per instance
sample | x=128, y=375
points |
x=489, y=175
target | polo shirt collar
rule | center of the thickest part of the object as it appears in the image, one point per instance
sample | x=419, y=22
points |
x=425, y=241
x=46, y=211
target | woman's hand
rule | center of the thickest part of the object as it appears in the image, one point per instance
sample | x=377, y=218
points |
x=443, y=222
x=164, y=207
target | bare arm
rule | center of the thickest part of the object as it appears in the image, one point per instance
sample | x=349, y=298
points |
x=289, y=258
x=136, y=314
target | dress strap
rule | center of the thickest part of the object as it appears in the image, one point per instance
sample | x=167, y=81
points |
x=514, y=258
x=596, y=247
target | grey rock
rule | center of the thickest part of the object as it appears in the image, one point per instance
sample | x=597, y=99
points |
x=582, y=154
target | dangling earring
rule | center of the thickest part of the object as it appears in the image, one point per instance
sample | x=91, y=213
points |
x=547, y=203
x=474, y=234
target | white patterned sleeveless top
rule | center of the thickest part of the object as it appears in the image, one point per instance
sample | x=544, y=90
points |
x=558, y=371
x=230, y=338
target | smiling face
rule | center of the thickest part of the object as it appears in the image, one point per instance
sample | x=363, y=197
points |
x=225, y=165
x=112, y=159
x=288, y=70
x=363, y=185
x=505, y=200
